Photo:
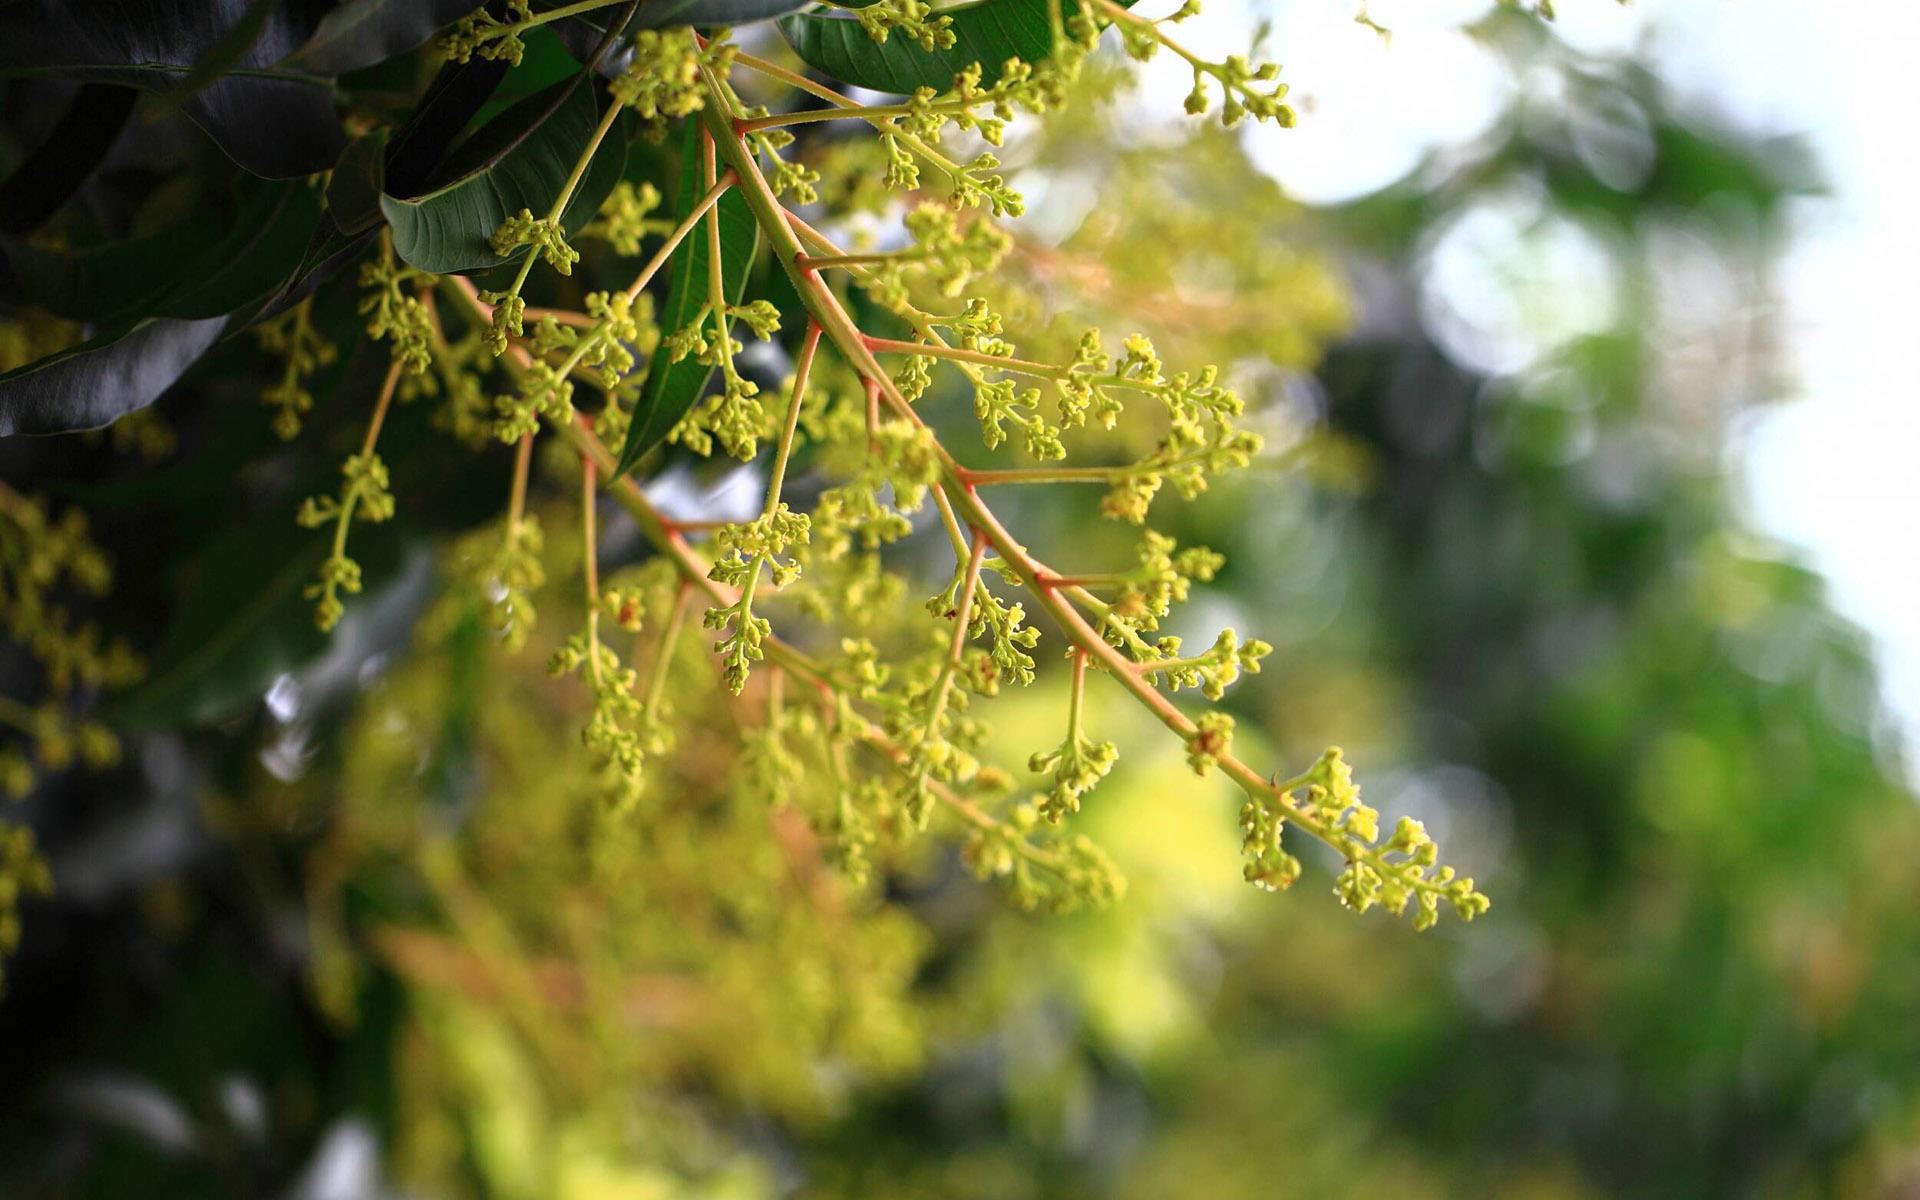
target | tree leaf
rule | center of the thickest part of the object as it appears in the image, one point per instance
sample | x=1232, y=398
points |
x=361, y=33
x=520, y=159
x=243, y=619
x=61, y=163
x=104, y=378
x=658, y=14
x=353, y=194
x=208, y=267
x=420, y=144
x=671, y=387
x=161, y=303
x=582, y=34
x=114, y=282
x=227, y=52
x=988, y=33
x=244, y=623
x=327, y=251
x=279, y=124
x=547, y=59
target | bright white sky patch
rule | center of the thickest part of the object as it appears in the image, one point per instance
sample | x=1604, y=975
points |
x=1371, y=109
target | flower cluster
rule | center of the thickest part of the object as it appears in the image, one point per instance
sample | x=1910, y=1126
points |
x=662, y=79
x=544, y=234
x=292, y=337
x=1396, y=874
x=363, y=496
x=1009, y=638
x=1072, y=873
x=1202, y=439
x=487, y=36
x=614, y=734
x=1246, y=89
x=947, y=253
x=504, y=565
x=912, y=19
x=864, y=745
x=796, y=180
x=1076, y=764
x=1209, y=742
x=40, y=555
x=1214, y=671
x=733, y=416
x=544, y=391
x=622, y=325
x=743, y=552
x=395, y=314
x=43, y=559
x=624, y=220
x=902, y=464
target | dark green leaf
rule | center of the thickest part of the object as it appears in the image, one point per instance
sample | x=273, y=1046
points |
x=205, y=268
x=327, y=251
x=988, y=33
x=671, y=388
x=417, y=148
x=657, y=14
x=104, y=378
x=361, y=33
x=547, y=60
x=160, y=303
x=228, y=52
x=122, y=280
x=353, y=194
x=244, y=620
x=62, y=162
x=519, y=160
x=279, y=124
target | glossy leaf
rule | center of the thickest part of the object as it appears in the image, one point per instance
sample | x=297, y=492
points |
x=104, y=378
x=276, y=123
x=227, y=53
x=988, y=33
x=420, y=144
x=207, y=267
x=554, y=53
x=581, y=34
x=327, y=251
x=671, y=388
x=360, y=33
x=158, y=303
x=519, y=160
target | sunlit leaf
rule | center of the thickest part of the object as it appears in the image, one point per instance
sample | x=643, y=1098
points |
x=989, y=33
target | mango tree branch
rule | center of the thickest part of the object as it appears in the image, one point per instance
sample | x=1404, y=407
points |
x=854, y=346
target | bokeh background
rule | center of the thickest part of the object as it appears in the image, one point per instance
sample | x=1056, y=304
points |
x=1591, y=543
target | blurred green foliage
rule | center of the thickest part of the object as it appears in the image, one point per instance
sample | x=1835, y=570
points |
x=386, y=909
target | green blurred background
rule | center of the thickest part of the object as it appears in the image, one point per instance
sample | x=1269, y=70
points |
x=363, y=938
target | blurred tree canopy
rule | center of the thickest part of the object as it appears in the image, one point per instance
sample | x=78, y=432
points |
x=370, y=934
